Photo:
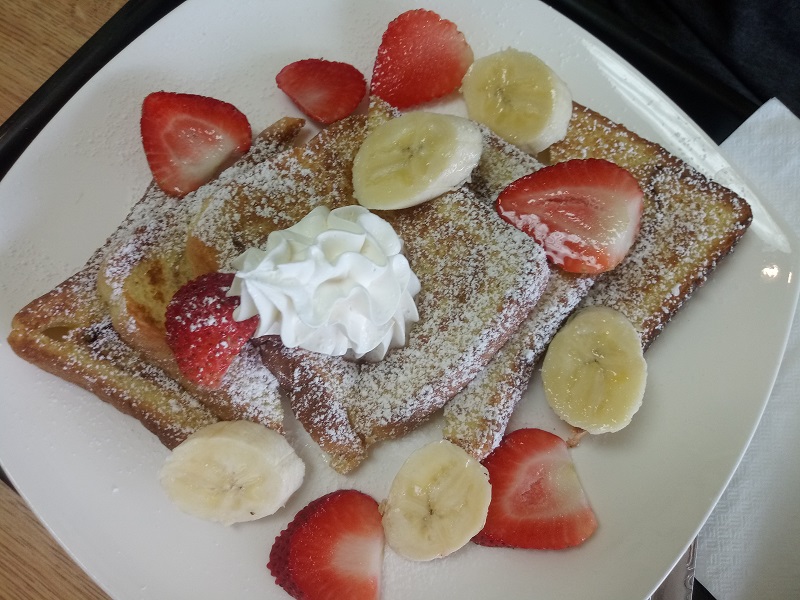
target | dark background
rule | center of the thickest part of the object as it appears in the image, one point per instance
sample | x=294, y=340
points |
x=717, y=59
x=753, y=46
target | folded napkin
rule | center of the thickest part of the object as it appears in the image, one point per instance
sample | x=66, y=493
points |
x=750, y=545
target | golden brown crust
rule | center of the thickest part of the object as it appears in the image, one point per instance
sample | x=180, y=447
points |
x=476, y=419
x=66, y=333
x=109, y=339
x=479, y=280
x=275, y=195
x=689, y=224
x=142, y=271
x=591, y=135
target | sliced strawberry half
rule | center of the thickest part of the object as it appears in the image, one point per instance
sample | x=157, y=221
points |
x=333, y=548
x=189, y=139
x=324, y=90
x=201, y=330
x=585, y=213
x=537, y=500
x=422, y=57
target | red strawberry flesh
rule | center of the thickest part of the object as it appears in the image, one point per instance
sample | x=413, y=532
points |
x=189, y=139
x=201, y=330
x=422, y=57
x=585, y=213
x=537, y=499
x=324, y=90
x=332, y=549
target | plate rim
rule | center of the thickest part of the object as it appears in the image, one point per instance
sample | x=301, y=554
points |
x=753, y=429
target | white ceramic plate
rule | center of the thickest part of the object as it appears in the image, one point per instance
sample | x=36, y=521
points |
x=90, y=473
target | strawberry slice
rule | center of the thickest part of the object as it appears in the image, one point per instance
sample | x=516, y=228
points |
x=324, y=90
x=201, y=330
x=422, y=57
x=190, y=139
x=333, y=548
x=537, y=499
x=585, y=213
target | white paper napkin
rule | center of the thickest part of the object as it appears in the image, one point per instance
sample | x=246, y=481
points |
x=750, y=545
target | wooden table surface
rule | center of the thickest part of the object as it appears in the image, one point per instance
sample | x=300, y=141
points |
x=36, y=37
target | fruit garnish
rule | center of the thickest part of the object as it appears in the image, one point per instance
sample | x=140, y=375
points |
x=189, y=139
x=324, y=90
x=414, y=158
x=437, y=502
x=421, y=57
x=231, y=472
x=585, y=213
x=594, y=372
x=333, y=548
x=518, y=97
x=201, y=330
x=537, y=499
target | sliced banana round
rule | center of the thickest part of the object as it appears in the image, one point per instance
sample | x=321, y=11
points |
x=594, y=372
x=414, y=158
x=518, y=97
x=232, y=471
x=438, y=501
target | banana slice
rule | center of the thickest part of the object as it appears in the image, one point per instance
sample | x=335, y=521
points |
x=438, y=501
x=518, y=97
x=232, y=471
x=414, y=158
x=594, y=372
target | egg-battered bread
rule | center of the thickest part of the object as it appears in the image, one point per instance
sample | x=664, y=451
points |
x=107, y=337
x=479, y=280
x=68, y=333
x=140, y=273
x=689, y=223
x=477, y=342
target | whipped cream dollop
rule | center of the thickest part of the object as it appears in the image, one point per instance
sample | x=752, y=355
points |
x=336, y=282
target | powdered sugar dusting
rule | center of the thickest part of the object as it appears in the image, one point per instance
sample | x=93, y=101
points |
x=464, y=318
x=248, y=390
x=276, y=194
x=477, y=417
x=67, y=333
x=689, y=223
x=476, y=289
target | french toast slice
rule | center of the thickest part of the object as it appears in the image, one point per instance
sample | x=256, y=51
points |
x=70, y=332
x=142, y=271
x=476, y=418
x=274, y=196
x=140, y=274
x=689, y=223
x=479, y=280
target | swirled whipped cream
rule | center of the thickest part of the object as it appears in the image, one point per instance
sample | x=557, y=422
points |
x=336, y=282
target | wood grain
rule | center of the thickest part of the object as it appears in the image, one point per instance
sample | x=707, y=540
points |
x=36, y=37
x=32, y=565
